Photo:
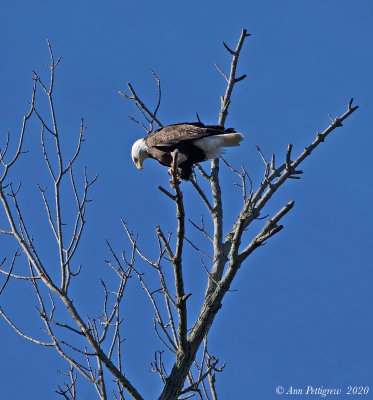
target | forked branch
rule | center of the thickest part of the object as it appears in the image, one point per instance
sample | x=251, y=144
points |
x=149, y=116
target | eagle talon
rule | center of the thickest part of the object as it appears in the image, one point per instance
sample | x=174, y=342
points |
x=174, y=182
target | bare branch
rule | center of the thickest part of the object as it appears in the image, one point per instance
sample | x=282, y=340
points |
x=276, y=179
x=164, y=242
x=26, y=278
x=211, y=364
x=158, y=366
x=202, y=195
x=46, y=157
x=202, y=172
x=232, y=76
x=158, y=317
x=201, y=228
x=262, y=156
x=47, y=208
x=215, y=185
x=9, y=274
x=270, y=229
x=23, y=334
x=181, y=297
x=3, y=152
x=19, y=150
x=243, y=176
x=134, y=243
x=140, y=104
x=83, y=129
x=6, y=232
x=158, y=100
x=69, y=392
x=198, y=249
x=222, y=73
x=139, y=123
x=167, y=193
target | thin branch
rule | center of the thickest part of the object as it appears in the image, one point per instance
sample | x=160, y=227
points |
x=9, y=274
x=270, y=229
x=167, y=193
x=6, y=232
x=201, y=228
x=158, y=316
x=82, y=131
x=202, y=195
x=47, y=208
x=3, y=152
x=158, y=100
x=23, y=334
x=69, y=392
x=26, y=278
x=202, y=172
x=198, y=249
x=19, y=150
x=232, y=76
x=45, y=153
x=165, y=242
x=262, y=156
x=221, y=72
x=243, y=176
x=133, y=242
x=141, y=105
x=139, y=123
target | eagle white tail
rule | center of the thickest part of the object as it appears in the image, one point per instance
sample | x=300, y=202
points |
x=231, y=139
x=212, y=145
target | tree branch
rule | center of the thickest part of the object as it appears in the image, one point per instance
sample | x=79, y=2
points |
x=219, y=260
x=142, y=106
x=177, y=258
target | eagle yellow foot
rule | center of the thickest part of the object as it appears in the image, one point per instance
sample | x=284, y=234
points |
x=174, y=183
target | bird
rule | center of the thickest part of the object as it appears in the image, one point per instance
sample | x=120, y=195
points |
x=194, y=141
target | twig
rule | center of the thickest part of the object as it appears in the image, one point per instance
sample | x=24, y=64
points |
x=158, y=316
x=202, y=195
x=141, y=105
x=201, y=228
x=202, y=172
x=9, y=274
x=232, y=77
x=23, y=334
x=159, y=99
x=198, y=249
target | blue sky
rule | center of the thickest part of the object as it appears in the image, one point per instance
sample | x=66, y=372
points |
x=300, y=313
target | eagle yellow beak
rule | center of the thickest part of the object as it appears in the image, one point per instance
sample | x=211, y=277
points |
x=139, y=165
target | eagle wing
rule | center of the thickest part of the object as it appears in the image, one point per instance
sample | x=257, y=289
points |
x=171, y=135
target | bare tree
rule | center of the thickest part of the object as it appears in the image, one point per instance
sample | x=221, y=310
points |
x=99, y=358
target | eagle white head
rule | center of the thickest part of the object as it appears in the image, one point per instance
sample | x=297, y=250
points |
x=139, y=153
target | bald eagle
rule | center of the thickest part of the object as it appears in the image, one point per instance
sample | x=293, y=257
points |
x=194, y=141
